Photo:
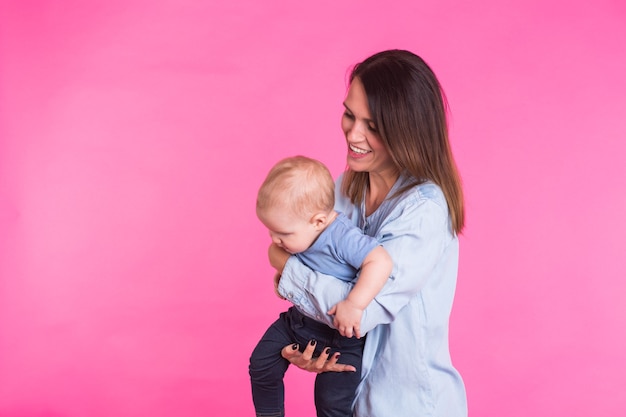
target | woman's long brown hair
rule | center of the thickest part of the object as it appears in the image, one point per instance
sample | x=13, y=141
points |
x=409, y=107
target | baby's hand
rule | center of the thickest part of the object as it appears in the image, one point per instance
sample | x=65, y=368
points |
x=347, y=318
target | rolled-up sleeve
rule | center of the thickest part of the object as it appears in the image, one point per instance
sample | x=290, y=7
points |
x=312, y=292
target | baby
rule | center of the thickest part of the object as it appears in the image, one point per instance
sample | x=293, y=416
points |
x=296, y=203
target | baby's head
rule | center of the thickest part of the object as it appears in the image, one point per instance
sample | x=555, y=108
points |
x=295, y=202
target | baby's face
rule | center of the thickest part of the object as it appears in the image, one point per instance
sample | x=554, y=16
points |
x=291, y=232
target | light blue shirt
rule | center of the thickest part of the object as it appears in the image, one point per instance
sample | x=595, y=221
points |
x=339, y=250
x=407, y=370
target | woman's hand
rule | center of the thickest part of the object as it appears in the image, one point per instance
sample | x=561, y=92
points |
x=276, y=282
x=278, y=257
x=318, y=365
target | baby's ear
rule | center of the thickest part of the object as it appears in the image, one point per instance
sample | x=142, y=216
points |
x=319, y=220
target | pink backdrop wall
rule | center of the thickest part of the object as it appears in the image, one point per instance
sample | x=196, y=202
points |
x=133, y=137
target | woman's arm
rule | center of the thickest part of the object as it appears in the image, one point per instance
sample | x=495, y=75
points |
x=415, y=236
x=295, y=285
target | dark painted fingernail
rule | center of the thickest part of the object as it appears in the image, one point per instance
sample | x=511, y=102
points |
x=313, y=342
x=294, y=346
x=327, y=351
x=337, y=355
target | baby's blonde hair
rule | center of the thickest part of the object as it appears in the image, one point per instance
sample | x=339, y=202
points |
x=303, y=184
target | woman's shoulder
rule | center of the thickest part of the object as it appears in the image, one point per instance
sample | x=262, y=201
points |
x=424, y=192
x=417, y=206
x=420, y=204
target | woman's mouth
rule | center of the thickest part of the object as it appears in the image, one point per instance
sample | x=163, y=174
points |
x=355, y=152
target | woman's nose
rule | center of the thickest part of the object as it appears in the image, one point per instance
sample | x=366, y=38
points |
x=355, y=132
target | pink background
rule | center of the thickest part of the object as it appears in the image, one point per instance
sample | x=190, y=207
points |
x=133, y=137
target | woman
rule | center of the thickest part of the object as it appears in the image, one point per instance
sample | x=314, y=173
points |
x=402, y=187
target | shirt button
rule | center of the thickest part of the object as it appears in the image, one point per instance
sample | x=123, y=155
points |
x=317, y=316
x=290, y=295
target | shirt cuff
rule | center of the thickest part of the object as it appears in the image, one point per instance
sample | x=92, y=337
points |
x=292, y=280
x=292, y=286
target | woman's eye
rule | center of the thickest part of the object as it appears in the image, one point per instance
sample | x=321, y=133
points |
x=348, y=115
x=372, y=128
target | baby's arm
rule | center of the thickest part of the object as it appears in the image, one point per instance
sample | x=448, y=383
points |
x=375, y=270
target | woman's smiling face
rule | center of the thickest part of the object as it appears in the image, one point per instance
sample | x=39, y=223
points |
x=366, y=150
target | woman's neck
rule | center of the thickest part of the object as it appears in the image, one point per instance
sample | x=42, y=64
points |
x=379, y=187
